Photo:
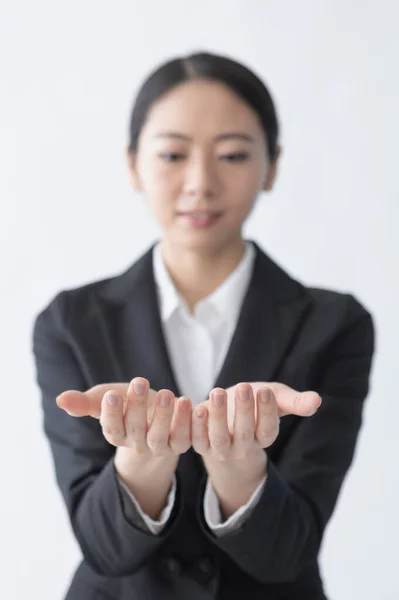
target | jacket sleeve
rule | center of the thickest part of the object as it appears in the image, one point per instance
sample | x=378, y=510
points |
x=282, y=536
x=137, y=516
x=84, y=461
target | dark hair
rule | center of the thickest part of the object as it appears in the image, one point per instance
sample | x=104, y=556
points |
x=208, y=66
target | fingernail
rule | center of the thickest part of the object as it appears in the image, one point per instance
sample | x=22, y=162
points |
x=184, y=403
x=139, y=387
x=218, y=398
x=200, y=413
x=244, y=393
x=265, y=396
x=164, y=399
x=112, y=400
x=314, y=410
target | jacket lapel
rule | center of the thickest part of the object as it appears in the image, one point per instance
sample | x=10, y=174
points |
x=272, y=312
x=134, y=325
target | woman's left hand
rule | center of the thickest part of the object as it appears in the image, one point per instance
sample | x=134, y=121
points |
x=237, y=423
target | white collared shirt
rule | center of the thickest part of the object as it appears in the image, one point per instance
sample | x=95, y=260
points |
x=197, y=345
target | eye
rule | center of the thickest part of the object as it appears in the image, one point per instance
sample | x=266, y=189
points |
x=171, y=156
x=235, y=157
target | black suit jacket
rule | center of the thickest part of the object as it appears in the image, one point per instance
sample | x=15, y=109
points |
x=307, y=338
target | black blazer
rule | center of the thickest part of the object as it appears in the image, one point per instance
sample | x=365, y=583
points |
x=110, y=331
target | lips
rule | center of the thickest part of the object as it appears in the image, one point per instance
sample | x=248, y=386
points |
x=199, y=218
x=199, y=214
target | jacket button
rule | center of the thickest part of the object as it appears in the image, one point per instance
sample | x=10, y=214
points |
x=171, y=566
x=204, y=569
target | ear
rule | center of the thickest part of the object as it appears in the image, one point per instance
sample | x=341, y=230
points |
x=133, y=174
x=272, y=172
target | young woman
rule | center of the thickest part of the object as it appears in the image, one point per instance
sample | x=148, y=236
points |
x=185, y=482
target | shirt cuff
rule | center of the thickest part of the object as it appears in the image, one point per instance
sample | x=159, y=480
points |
x=154, y=526
x=213, y=515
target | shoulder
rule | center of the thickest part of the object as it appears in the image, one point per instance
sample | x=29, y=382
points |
x=326, y=315
x=286, y=288
x=345, y=304
x=79, y=303
x=342, y=324
x=65, y=302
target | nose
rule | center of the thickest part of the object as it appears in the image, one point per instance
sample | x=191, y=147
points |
x=200, y=180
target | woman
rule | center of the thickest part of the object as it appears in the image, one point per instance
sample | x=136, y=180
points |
x=171, y=495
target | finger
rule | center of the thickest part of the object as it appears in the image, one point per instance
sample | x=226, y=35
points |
x=158, y=434
x=244, y=420
x=218, y=431
x=136, y=414
x=88, y=403
x=151, y=402
x=180, y=430
x=199, y=429
x=267, y=420
x=111, y=418
x=303, y=404
x=290, y=401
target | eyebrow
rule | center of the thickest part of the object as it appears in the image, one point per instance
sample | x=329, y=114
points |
x=219, y=138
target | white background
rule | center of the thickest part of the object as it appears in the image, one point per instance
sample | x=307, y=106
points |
x=69, y=72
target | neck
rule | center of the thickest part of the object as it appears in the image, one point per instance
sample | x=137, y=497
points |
x=196, y=274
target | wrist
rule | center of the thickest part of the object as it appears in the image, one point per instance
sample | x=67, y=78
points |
x=246, y=470
x=235, y=482
x=149, y=480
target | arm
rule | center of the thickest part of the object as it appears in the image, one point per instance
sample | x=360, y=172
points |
x=84, y=460
x=148, y=496
x=283, y=534
x=217, y=518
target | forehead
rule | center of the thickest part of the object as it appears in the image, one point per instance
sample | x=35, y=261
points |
x=204, y=106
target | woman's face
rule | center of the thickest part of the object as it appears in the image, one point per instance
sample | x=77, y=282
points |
x=201, y=161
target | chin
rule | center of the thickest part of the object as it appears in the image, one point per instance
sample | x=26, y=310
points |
x=204, y=241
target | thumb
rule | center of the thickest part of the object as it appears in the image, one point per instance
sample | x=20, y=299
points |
x=292, y=402
x=88, y=403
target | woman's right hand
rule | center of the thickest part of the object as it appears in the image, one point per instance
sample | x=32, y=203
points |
x=149, y=423
x=149, y=436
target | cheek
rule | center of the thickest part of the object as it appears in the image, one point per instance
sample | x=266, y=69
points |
x=244, y=188
x=246, y=181
x=161, y=191
x=255, y=178
x=161, y=180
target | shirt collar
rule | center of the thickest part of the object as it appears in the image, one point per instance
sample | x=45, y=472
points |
x=169, y=298
x=226, y=299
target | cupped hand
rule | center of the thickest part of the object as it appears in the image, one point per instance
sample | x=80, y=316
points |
x=236, y=423
x=134, y=416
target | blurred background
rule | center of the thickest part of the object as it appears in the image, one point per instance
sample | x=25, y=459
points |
x=68, y=75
